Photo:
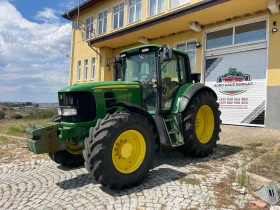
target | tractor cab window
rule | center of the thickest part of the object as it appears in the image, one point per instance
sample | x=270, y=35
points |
x=142, y=68
x=173, y=73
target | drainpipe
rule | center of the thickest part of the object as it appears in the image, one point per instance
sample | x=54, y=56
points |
x=71, y=54
x=99, y=67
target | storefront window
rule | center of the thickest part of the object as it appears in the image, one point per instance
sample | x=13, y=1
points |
x=237, y=35
x=220, y=38
x=250, y=32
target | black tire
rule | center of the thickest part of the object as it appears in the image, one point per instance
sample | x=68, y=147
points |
x=64, y=157
x=193, y=147
x=99, y=146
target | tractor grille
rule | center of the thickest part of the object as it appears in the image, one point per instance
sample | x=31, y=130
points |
x=83, y=101
x=109, y=100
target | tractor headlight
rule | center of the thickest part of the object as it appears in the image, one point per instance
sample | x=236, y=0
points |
x=67, y=111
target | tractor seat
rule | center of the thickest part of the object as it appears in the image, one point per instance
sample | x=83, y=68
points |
x=170, y=86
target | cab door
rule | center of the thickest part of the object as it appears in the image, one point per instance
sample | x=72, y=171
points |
x=173, y=74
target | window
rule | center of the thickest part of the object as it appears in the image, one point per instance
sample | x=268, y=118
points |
x=102, y=22
x=156, y=7
x=118, y=14
x=237, y=35
x=250, y=32
x=85, y=69
x=177, y=3
x=220, y=38
x=79, y=70
x=190, y=48
x=89, y=28
x=92, y=70
x=135, y=8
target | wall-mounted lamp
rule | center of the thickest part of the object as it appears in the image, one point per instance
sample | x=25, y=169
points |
x=197, y=44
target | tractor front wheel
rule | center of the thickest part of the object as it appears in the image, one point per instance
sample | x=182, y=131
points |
x=120, y=149
x=201, y=124
x=71, y=157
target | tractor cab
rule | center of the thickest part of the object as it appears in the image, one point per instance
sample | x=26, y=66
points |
x=159, y=70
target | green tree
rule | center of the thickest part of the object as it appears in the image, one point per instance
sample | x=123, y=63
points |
x=28, y=104
x=2, y=115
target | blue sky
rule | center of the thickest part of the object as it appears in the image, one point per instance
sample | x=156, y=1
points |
x=34, y=41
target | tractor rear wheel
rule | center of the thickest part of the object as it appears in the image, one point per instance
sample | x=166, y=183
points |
x=120, y=149
x=71, y=157
x=201, y=124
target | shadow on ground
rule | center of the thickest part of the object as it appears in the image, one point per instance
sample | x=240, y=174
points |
x=158, y=176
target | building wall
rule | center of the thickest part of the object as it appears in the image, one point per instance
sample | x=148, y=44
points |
x=273, y=76
x=82, y=51
x=219, y=17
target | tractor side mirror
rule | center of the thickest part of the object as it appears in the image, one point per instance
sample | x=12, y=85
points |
x=167, y=53
x=117, y=69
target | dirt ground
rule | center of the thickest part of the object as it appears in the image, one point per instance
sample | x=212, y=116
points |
x=260, y=148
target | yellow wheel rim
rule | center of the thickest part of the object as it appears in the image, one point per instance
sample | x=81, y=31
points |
x=129, y=151
x=204, y=124
x=74, y=149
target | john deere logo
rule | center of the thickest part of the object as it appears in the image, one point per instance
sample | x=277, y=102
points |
x=233, y=83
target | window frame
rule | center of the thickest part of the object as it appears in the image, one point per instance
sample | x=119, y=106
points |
x=112, y=14
x=106, y=10
x=85, y=70
x=92, y=76
x=233, y=26
x=128, y=12
x=85, y=28
x=186, y=51
x=169, y=5
x=149, y=8
x=79, y=69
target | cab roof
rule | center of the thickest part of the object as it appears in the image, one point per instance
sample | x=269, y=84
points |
x=152, y=47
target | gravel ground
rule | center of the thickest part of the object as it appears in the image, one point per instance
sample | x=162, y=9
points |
x=176, y=182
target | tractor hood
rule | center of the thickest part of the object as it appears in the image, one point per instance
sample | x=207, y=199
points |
x=91, y=85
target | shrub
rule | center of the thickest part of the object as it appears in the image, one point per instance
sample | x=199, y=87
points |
x=2, y=115
x=43, y=114
x=16, y=116
x=14, y=129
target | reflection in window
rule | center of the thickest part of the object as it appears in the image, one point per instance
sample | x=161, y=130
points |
x=177, y=3
x=190, y=48
x=156, y=6
x=85, y=69
x=102, y=22
x=89, y=28
x=78, y=70
x=118, y=14
x=250, y=32
x=92, y=71
x=134, y=10
x=219, y=38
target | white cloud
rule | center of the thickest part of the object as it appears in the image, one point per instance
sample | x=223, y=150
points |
x=47, y=15
x=9, y=88
x=32, y=55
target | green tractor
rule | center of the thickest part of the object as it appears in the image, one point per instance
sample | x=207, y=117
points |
x=115, y=128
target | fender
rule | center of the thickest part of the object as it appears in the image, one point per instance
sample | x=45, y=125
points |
x=191, y=92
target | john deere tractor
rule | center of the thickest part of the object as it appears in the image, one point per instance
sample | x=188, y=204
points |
x=115, y=128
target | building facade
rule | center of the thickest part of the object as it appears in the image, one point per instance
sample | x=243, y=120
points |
x=232, y=44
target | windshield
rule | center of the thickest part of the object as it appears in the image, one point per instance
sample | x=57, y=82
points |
x=140, y=67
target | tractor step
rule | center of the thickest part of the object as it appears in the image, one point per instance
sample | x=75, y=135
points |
x=173, y=130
